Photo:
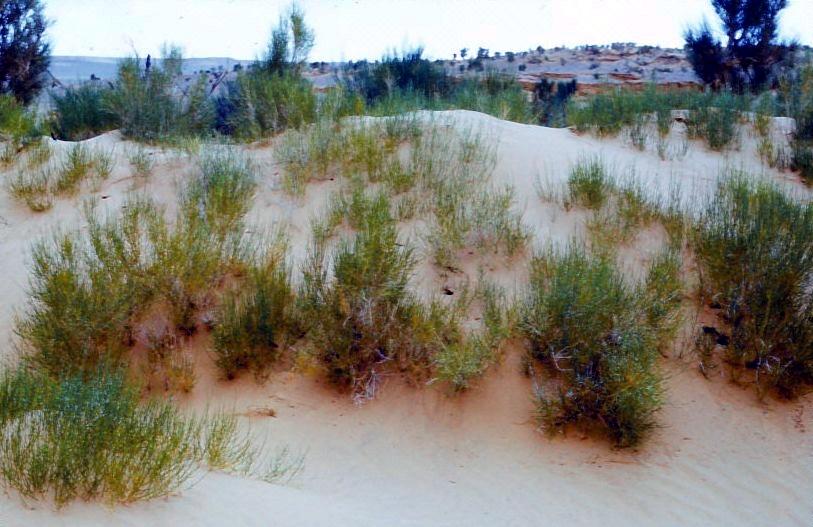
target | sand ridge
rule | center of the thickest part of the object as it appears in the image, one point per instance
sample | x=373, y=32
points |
x=416, y=456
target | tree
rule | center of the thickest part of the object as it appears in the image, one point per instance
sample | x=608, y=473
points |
x=751, y=50
x=24, y=53
x=291, y=42
x=463, y=53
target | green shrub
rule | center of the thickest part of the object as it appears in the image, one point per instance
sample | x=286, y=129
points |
x=589, y=184
x=88, y=289
x=146, y=107
x=597, y=336
x=83, y=293
x=92, y=439
x=753, y=245
x=260, y=104
x=360, y=312
x=253, y=320
x=81, y=113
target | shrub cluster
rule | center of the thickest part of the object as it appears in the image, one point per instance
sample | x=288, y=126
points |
x=598, y=337
x=753, y=245
x=92, y=438
x=87, y=290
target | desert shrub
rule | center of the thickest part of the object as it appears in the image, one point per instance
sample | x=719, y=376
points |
x=713, y=117
x=466, y=356
x=33, y=187
x=254, y=320
x=409, y=71
x=18, y=128
x=92, y=438
x=83, y=292
x=597, y=337
x=753, y=245
x=261, y=103
x=495, y=94
x=717, y=121
x=80, y=113
x=589, y=184
x=146, y=107
x=795, y=98
x=550, y=101
x=88, y=289
x=360, y=312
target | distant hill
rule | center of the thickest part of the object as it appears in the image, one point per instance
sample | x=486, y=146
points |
x=69, y=70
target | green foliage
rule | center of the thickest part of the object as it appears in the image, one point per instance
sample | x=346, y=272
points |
x=260, y=103
x=88, y=289
x=25, y=53
x=81, y=113
x=589, y=184
x=597, y=336
x=92, y=438
x=753, y=244
x=254, y=319
x=146, y=108
x=713, y=117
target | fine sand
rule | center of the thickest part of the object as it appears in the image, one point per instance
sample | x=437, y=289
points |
x=416, y=455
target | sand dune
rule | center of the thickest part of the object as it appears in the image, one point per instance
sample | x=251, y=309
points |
x=417, y=456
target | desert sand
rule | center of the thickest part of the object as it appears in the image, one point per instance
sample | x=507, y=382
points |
x=419, y=456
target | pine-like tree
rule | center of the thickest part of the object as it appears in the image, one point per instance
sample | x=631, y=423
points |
x=751, y=50
x=24, y=52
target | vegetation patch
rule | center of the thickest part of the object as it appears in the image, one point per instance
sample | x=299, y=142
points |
x=753, y=245
x=598, y=338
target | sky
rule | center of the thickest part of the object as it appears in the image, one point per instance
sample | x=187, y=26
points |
x=356, y=29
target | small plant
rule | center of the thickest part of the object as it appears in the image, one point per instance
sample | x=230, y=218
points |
x=141, y=161
x=74, y=170
x=589, y=184
x=33, y=188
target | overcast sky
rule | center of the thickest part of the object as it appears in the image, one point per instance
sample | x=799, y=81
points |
x=355, y=29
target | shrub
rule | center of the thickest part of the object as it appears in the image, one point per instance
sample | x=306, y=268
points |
x=589, y=184
x=88, y=290
x=81, y=113
x=597, y=336
x=83, y=292
x=92, y=438
x=146, y=107
x=360, y=313
x=259, y=104
x=253, y=320
x=753, y=245
x=408, y=72
x=17, y=125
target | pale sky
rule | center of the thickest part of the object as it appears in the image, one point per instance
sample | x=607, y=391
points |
x=355, y=29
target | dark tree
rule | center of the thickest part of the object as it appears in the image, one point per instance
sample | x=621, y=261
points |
x=24, y=53
x=751, y=50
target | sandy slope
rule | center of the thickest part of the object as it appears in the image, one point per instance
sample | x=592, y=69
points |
x=419, y=457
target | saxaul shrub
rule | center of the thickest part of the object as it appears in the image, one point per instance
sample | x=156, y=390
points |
x=93, y=438
x=255, y=319
x=361, y=316
x=81, y=112
x=597, y=337
x=753, y=246
x=89, y=288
